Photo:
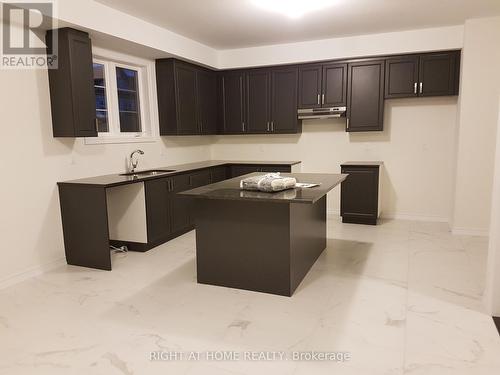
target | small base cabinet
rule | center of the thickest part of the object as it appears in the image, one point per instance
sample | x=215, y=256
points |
x=360, y=192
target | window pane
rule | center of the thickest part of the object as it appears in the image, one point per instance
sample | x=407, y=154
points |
x=126, y=79
x=102, y=122
x=100, y=98
x=128, y=100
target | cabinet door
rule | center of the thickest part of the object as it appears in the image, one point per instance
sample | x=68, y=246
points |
x=284, y=83
x=187, y=119
x=218, y=174
x=180, y=211
x=239, y=170
x=207, y=101
x=200, y=178
x=158, y=209
x=439, y=74
x=257, y=101
x=365, y=99
x=310, y=86
x=359, y=195
x=233, y=102
x=334, y=85
x=82, y=78
x=401, y=77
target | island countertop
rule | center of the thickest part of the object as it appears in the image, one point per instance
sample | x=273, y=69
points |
x=230, y=189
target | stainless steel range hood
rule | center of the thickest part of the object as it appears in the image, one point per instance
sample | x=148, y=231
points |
x=313, y=113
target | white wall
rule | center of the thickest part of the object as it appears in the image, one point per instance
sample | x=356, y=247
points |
x=416, y=146
x=433, y=39
x=480, y=87
x=33, y=161
x=492, y=292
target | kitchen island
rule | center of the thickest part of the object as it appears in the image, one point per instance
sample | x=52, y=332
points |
x=264, y=242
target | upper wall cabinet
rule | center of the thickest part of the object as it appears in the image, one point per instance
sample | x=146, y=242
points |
x=187, y=98
x=233, y=97
x=322, y=85
x=432, y=74
x=365, y=97
x=72, y=96
x=439, y=74
x=260, y=101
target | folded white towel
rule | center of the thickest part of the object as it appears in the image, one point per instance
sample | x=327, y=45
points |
x=269, y=182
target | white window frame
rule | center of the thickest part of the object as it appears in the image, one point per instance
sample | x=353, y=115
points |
x=146, y=81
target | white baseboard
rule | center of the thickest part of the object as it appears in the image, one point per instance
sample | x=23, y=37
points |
x=30, y=273
x=470, y=232
x=396, y=216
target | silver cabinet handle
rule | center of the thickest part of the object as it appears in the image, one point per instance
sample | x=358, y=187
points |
x=415, y=88
x=243, y=126
x=318, y=98
x=421, y=87
x=272, y=126
x=268, y=126
x=323, y=99
x=347, y=123
x=97, y=125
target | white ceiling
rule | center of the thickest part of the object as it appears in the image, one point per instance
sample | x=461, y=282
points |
x=225, y=24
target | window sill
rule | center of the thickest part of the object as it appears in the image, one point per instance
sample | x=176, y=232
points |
x=118, y=139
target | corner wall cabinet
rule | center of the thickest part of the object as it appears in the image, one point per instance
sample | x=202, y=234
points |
x=187, y=101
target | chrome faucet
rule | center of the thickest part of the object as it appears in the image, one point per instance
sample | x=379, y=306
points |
x=134, y=162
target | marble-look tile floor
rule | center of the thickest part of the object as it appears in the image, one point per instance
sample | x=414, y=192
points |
x=402, y=298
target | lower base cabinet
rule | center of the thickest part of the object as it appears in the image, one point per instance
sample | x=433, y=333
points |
x=239, y=170
x=169, y=215
x=360, y=199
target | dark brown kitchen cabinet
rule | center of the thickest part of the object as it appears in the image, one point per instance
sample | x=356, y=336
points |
x=359, y=202
x=72, y=95
x=365, y=96
x=322, y=85
x=269, y=102
x=430, y=74
x=258, y=91
x=310, y=80
x=284, y=86
x=200, y=178
x=439, y=74
x=233, y=98
x=401, y=77
x=334, y=86
x=241, y=169
x=180, y=212
x=158, y=209
x=218, y=174
x=207, y=101
x=187, y=98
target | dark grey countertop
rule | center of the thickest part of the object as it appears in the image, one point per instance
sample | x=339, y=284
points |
x=111, y=180
x=230, y=189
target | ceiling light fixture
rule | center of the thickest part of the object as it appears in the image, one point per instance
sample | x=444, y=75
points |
x=293, y=8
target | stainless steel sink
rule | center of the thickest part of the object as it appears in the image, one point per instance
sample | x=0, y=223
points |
x=152, y=172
